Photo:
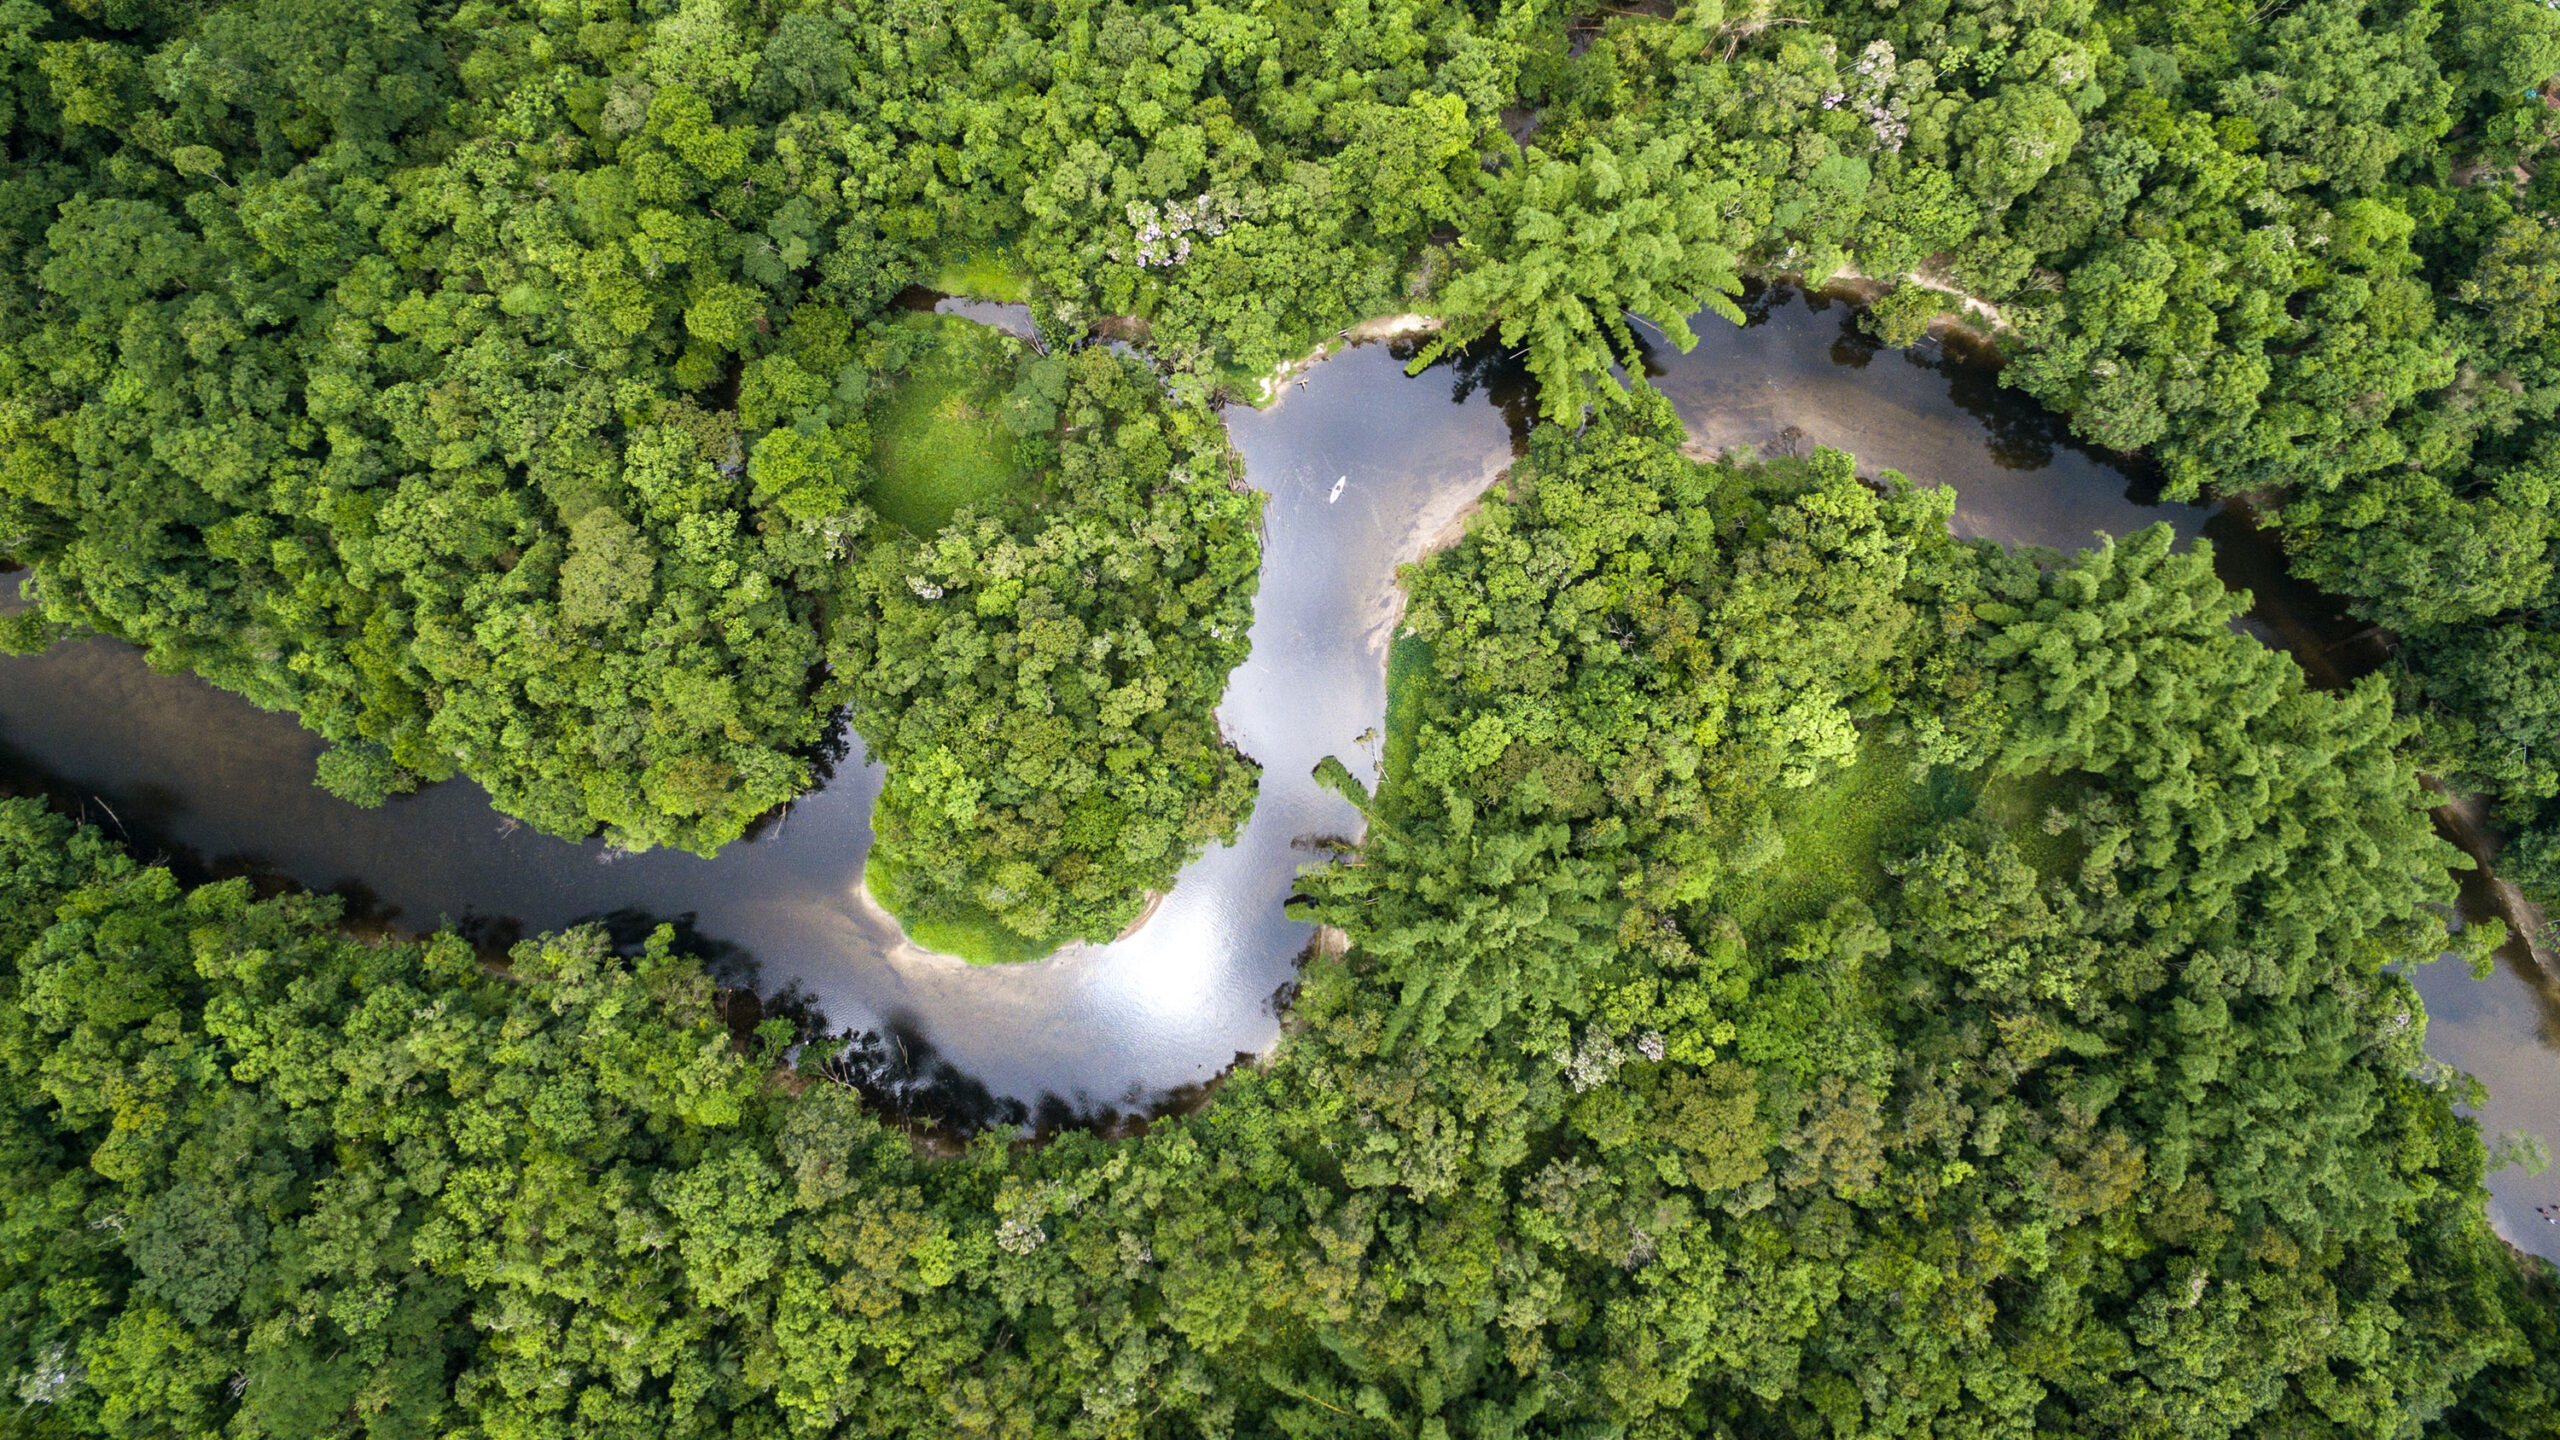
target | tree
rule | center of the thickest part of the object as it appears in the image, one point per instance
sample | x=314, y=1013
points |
x=2012, y=139
x=1584, y=244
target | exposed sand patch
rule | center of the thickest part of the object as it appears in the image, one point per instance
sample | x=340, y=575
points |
x=1868, y=287
x=1155, y=902
x=1456, y=530
x=1376, y=327
x=1434, y=530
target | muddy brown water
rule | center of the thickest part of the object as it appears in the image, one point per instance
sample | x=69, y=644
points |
x=1364, y=465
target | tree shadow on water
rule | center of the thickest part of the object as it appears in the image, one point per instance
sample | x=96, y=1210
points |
x=898, y=1072
x=1853, y=348
x=903, y=1076
x=1486, y=368
x=1760, y=300
x=2022, y=434
x=491, y=936
x=825, y=759
x=139, y=819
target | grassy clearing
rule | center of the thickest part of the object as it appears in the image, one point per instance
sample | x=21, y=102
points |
x=2017, y=805
x=977, y=936
x=1839, y=832
x=1408, y=664
x=937, y=441
x=1836, y=833
x=983, y=277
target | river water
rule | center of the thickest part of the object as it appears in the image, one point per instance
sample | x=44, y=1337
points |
x=1366, y=468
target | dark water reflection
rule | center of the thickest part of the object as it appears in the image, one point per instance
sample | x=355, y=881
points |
x=1365, y=466
x=1800, y=372
x=2504, y=1032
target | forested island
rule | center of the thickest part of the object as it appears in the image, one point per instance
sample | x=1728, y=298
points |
x=1802, y=974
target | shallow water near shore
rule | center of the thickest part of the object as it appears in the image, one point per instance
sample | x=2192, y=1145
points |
x=1365, y=468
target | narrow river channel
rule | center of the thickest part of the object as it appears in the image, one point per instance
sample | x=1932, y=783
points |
x=1366, y=469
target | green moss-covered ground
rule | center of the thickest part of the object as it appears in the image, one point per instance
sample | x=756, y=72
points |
x=1838, y=833
x=986, y=276
x=938, y=440
x=977, y=937
x=2017, y=805
x=1835, y=833
x=1408, y=660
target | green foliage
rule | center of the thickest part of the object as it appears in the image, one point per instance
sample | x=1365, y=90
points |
x=1806, y=976
x=946, y=435
x=951, y=925
x=502, y=398
x=298, y=1162
x=2111, y=1142
x=1612, y=686
x=1041, y=680
x=1901, y=316
x=361, y=774
x=26, y=632
x=1409, y=660
x=986, y=276
x=1335, y=776
x=1824, y=843
x=1903, y=1062
x=398, y=422
x=2012, y=139
x=333, y=383
x=1581, y=246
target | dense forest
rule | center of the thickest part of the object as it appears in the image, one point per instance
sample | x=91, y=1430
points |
x=1033, y=640
x=465, y=377
x=1803, y=975
x=1807, y=977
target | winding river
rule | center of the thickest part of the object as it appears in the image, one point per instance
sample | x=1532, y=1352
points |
x=1366, y=469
